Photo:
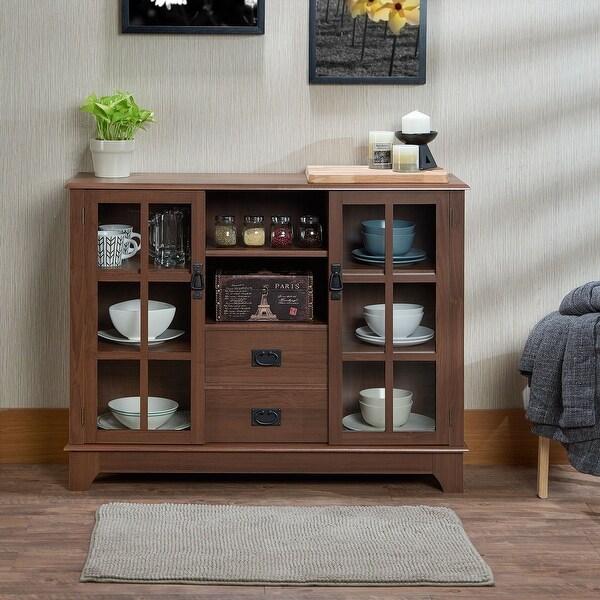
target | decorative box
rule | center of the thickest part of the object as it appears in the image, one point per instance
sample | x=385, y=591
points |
x=264, y=296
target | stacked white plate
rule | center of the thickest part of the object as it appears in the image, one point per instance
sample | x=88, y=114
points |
x=420, y=336
x=112, y=335
x=415, y=422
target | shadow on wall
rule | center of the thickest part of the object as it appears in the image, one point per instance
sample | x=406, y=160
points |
x=320, y=152
x=48, y=358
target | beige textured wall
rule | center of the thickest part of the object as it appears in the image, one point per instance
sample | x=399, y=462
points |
x=513, y=88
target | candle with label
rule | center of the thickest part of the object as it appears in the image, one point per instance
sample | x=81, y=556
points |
x=380, y=149
x=416, y=122
x=405, y=158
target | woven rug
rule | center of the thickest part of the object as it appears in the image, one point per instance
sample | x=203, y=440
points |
x=282, y=545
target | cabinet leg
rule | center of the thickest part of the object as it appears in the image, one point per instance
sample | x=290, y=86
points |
x=448, y=470
x=83, y=468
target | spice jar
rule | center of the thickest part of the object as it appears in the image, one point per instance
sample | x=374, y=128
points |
x=281, y=232
x=225, y=231
x=254, y=230
x=310, y=232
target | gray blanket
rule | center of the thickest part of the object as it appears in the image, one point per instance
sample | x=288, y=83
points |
x=560, y=360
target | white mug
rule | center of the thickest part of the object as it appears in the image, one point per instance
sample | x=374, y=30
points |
x=130, y=242
x=113, y=247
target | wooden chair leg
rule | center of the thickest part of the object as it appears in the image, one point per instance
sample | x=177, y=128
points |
x=543, y=466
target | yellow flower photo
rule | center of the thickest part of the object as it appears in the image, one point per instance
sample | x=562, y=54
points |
x=367, y=41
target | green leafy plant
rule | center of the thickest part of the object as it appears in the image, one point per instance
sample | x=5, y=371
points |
x=118, y=117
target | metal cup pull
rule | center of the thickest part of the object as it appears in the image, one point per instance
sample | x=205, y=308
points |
x=265, y=416
x=266, y=357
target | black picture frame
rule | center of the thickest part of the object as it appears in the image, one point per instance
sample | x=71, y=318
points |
x=333, y=59
x=196, y=17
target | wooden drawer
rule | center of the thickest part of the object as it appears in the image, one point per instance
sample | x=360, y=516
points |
x=303, y=356
x=229, y=415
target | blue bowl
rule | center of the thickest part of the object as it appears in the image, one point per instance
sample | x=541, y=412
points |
x=375, y=243
x=378, y=226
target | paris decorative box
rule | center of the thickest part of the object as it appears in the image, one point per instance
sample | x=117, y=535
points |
x=264, y=296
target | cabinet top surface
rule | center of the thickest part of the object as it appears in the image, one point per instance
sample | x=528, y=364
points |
x=223, y=181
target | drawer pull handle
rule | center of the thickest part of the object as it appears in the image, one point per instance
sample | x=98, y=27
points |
x=266, y=358
x=265, y=416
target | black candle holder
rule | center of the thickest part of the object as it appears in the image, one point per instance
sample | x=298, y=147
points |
x=426, y=160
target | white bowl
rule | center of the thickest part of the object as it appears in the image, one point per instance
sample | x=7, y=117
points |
x=375, y=415
x=377, y=395
x=403, y=324
x=372, y=406
x=398, y=306
x=125, y=316
x=127, y=411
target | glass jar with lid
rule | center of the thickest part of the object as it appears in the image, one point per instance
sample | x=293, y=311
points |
x=225, y=231
x=310, y=232
x=254, y=230
x=281, y=232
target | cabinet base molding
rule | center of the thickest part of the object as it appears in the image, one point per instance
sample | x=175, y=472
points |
x=494, y=437
x=446, y=467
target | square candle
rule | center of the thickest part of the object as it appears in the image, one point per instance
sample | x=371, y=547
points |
x=405, y=158
x=380, y=149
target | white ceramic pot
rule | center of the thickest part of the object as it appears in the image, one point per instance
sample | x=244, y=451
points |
x=112, y=158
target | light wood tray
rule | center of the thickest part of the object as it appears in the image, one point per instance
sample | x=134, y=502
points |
x=362, y=174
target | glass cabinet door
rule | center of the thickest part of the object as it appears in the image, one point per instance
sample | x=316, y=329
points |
x=146, y=319
x=387, y=387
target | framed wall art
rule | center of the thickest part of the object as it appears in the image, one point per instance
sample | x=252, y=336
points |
x=367, y=41
x=193, y=16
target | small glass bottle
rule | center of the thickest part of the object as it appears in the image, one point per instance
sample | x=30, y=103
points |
x=281, y=232
x=254, y=230
x=310, y=232
x=225, y=231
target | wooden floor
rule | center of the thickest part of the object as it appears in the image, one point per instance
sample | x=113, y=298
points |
x=536, y=548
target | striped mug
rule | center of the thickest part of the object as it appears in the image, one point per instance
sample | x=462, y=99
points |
x=113, y=248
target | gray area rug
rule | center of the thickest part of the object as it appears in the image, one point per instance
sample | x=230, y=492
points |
x=282, y=545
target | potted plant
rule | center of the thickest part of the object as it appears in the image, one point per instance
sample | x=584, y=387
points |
x=118, y=118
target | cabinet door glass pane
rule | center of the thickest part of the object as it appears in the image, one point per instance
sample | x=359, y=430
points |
x=119, y=385
x=119, y=227
x=118, y=306
x=169, y=382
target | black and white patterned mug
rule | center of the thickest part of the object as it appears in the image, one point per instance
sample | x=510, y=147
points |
x=113, y=248
x=130, y=241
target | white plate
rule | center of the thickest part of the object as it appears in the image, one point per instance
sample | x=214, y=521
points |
x=180, y=420
x=112, y=335
x=416, y=422
x=420, y=336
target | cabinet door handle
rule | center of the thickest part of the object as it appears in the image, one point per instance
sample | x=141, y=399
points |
x=266, y=358
x=197, y=283
x=336, y=285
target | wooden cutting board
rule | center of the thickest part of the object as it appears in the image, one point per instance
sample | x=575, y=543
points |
x=362, y=174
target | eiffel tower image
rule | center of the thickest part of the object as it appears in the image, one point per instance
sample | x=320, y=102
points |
x=264, y=312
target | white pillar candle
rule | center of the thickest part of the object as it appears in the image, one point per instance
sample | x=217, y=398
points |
x=380, y=149
x=405, y=158
x=416, y=122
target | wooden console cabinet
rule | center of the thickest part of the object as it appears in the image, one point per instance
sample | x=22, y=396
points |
x=208, y=370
